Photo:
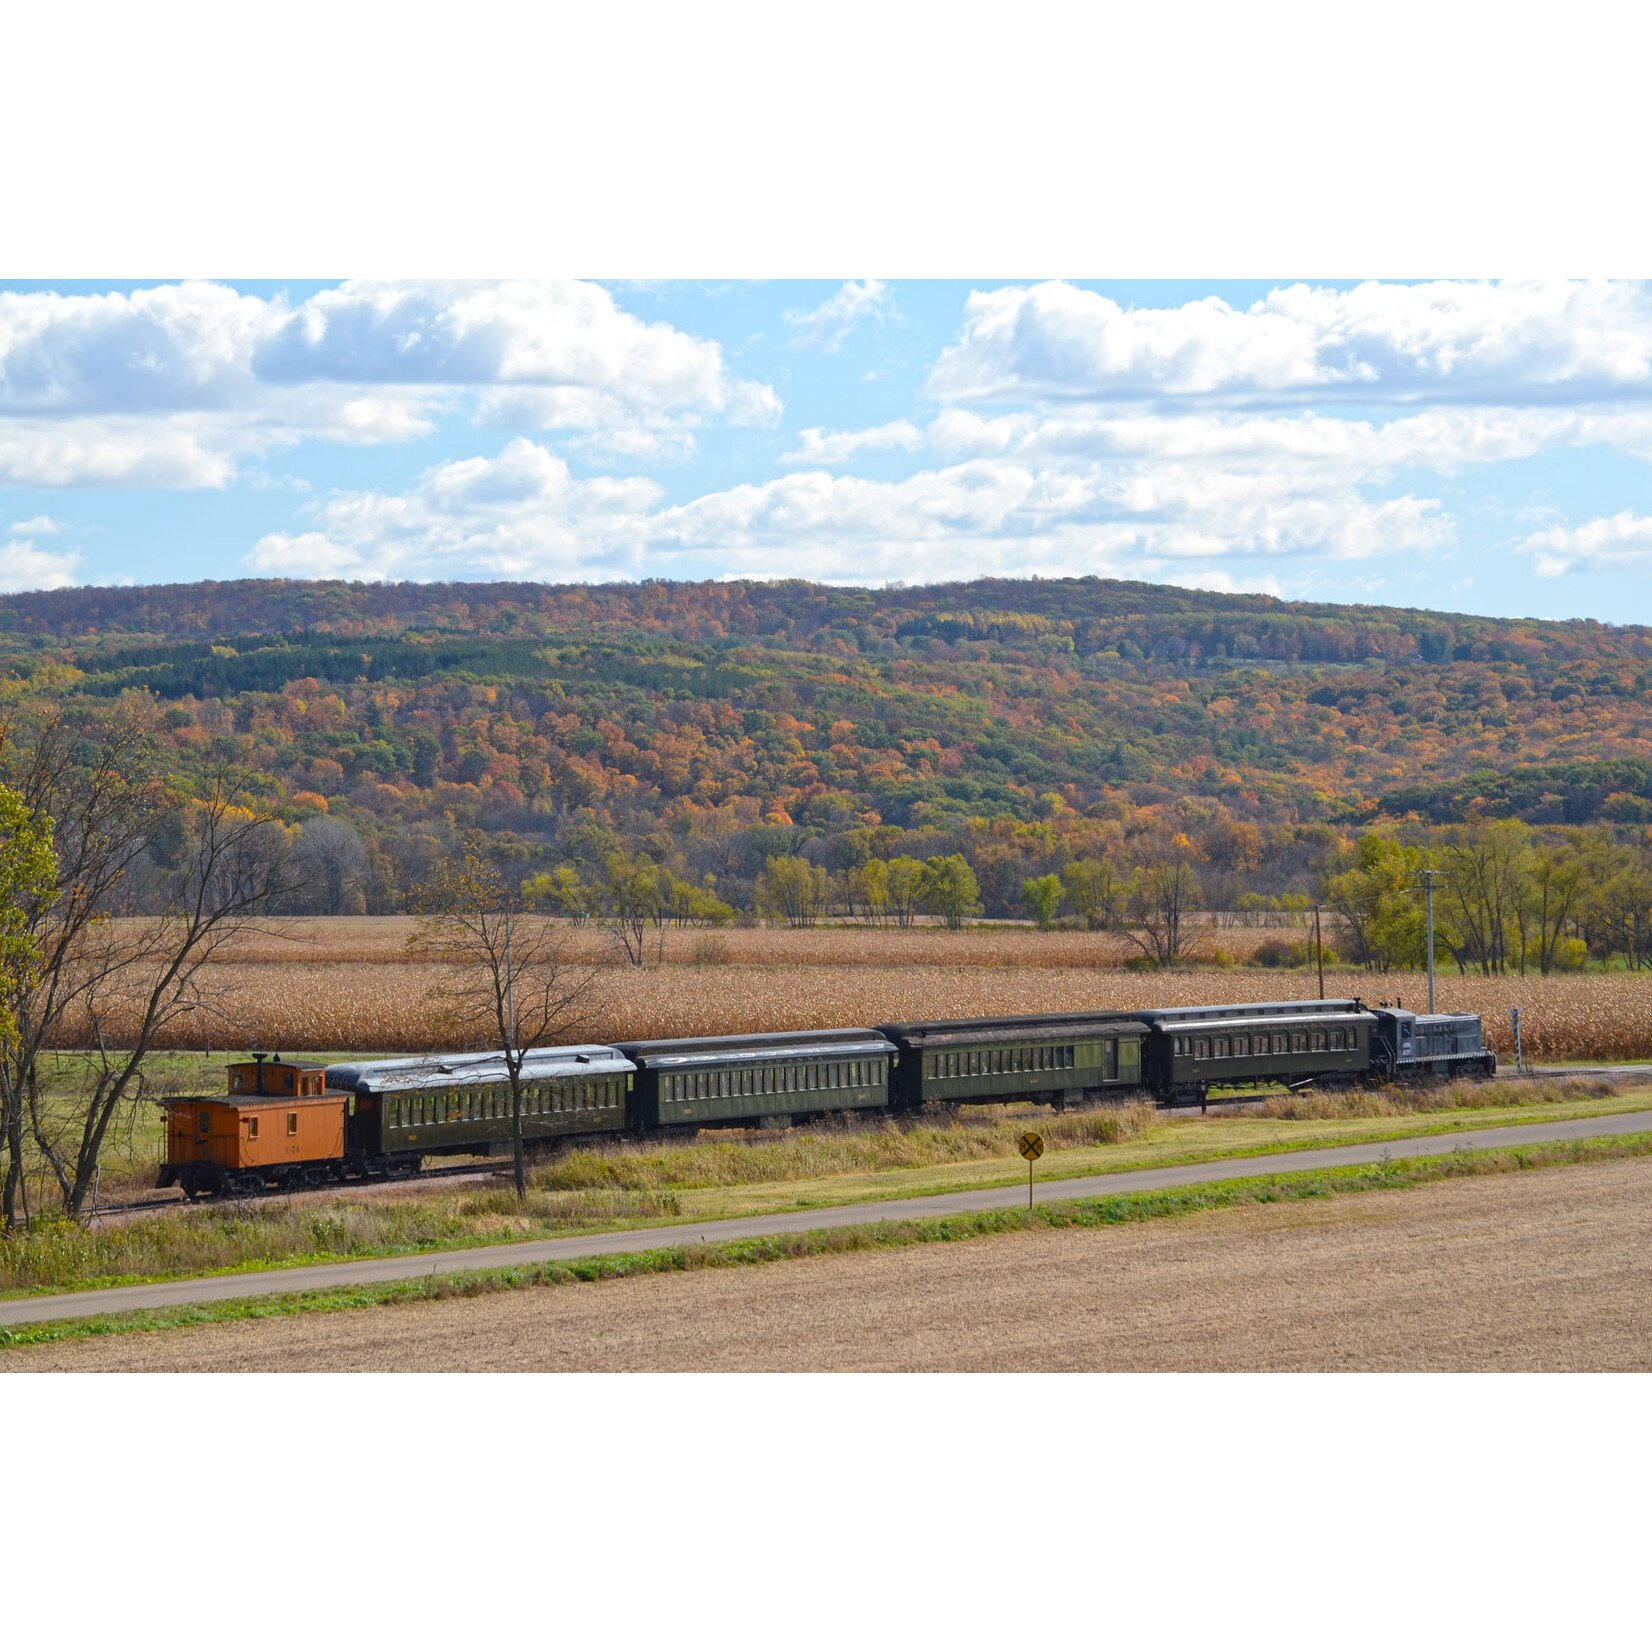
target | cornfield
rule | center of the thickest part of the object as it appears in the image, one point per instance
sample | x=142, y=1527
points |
x=349, y=985
x=984, y=946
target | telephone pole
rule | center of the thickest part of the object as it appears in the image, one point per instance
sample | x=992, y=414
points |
x=1428, y=875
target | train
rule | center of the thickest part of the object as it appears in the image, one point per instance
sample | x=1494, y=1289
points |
x=291, y=1124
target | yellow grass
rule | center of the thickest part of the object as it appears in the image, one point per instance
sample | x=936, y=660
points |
x=347, y=984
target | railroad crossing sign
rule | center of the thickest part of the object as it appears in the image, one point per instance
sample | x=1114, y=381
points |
x=1031, y=1144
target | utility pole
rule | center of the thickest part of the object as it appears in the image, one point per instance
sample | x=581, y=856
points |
x=1319, y=952
x=1428, y=875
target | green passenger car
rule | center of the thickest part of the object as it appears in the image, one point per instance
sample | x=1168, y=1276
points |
x=763, y=1080
x=1194, y=1048
x=458, y=1104
x=1063, y=1058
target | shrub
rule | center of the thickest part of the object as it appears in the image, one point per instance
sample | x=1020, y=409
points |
x=1280, y=953
x=709, y=949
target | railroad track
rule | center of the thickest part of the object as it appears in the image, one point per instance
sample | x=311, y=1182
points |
x=487, y=1171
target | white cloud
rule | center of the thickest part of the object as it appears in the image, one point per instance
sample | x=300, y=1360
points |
x=36, y=525
x=25, y=567
x=1002, y=516
x=837, y=447
x=1217, y=579
x=1379, y=341
x=828, y=325
x=519, y=515
x=1620, y=541
x=186, y=345
x=176, y=451
x=171, y=386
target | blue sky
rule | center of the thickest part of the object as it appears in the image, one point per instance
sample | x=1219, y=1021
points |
x=1472, y=445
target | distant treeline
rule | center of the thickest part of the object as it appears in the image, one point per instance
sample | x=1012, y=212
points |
x=1022, y=725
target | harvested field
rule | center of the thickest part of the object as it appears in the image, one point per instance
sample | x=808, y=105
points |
x=348, y=984
x=1545, y=1270
x=981, y=946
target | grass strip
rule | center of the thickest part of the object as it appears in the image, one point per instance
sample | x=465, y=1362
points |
x=1109, y=1211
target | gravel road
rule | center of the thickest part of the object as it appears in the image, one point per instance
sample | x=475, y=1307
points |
x=1542, y=1270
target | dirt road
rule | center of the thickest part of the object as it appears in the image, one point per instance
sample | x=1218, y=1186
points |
x=1548, y=1270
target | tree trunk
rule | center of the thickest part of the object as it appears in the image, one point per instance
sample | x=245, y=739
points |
x=14, y=1164
x=519, y=1154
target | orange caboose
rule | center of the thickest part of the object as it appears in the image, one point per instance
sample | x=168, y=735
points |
x=277, y=1125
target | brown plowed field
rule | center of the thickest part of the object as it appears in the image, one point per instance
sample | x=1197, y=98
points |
x=1544, y=1270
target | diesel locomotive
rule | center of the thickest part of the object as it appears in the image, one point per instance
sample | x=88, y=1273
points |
x=290, y=1124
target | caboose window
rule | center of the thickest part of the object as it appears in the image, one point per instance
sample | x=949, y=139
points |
x=204, y=1123
x=292, y=1124
x=252, y=1127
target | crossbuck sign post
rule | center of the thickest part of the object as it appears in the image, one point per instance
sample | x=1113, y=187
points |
x=1031, y=1144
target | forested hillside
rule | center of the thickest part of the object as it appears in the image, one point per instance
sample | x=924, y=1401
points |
x=715, y=727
